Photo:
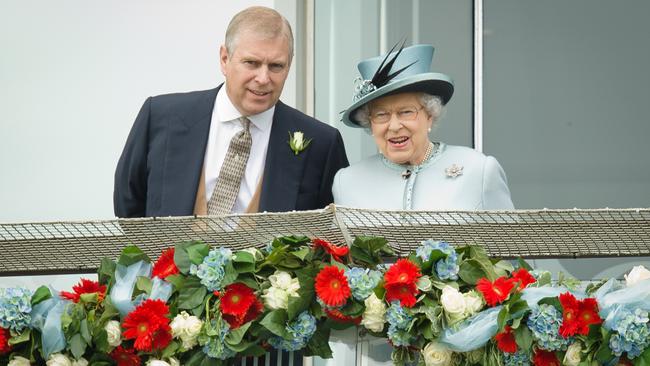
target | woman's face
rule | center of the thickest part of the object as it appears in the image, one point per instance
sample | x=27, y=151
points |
x=400, y=126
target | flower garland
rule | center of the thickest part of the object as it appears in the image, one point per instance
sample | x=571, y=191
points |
x=439, y=306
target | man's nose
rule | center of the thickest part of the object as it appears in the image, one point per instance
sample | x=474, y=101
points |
x=262, y=75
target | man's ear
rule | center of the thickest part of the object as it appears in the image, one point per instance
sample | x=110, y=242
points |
x=224, y=58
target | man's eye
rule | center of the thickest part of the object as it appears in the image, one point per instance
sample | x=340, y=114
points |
x=276, y=67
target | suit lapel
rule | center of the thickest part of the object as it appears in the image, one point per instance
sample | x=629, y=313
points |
x=283, y=169
x=185, y=154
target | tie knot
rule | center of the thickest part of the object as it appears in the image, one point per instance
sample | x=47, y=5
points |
x=245, y=122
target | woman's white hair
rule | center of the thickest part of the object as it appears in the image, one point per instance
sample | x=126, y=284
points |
x=431, y=103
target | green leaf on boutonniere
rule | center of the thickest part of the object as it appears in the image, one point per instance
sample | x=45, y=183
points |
x=297, y=142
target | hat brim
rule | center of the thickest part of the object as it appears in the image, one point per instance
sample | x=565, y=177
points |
x=431, y=83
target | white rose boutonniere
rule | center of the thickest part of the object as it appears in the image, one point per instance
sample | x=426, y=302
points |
x=297, y=142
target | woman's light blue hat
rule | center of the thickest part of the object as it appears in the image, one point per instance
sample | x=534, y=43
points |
x=402, y=71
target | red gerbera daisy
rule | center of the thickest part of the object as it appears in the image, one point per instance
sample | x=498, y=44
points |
x=402, y=272
x=85, y=286
x=125, y=357
x=402, y=292
x=236, y=299
x=239, y=305
x=253, y=311
x=523, y=277
x=545, y=358
x=495, y=292
x=165, y=265
x=148, y=325
x=337, y=252
x=506, y=340
x=5, y=347
x=332, y=286
x=339, y=317
x=577, y=315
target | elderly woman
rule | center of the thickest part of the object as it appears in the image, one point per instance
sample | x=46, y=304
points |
x=399, y=101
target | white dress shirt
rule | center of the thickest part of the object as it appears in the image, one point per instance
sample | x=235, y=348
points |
x=225, y=124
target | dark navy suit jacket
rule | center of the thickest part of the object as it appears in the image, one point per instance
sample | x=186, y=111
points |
x=159, y=170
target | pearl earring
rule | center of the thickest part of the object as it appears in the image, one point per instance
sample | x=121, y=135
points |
x=429, y=130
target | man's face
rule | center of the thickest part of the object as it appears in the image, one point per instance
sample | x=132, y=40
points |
x=255, y=71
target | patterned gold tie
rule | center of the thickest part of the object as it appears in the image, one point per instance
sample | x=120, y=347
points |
x=232, y=171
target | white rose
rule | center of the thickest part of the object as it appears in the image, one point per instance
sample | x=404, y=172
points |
x=572, y=355
x=453, y=302
x=157, y=363
x=80, y=362
x=435, y=354
x=19, y=361
x=275, y=298
x=473, y=302
x=186, y=327
x=298, y=140
x=114, y=333
x=373, y=316
x=174, y=362
x=58, y=359
x=283, y=281
x=638, y=273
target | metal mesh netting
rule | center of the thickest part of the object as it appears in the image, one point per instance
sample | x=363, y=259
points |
x=69, y=247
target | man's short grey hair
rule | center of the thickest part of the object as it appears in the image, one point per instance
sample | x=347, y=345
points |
x=263, y=21
x=431, y=103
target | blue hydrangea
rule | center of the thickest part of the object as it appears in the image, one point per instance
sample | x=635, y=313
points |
x=213, y=269
x=632, y=333
x=398, y=324
x=15, y=308
x=362, y=282
x=544, y=321
x=301, y=330
x=518, y=358
x=399, y=337
x=446, y=268
x=216, y=346
x=397, y=316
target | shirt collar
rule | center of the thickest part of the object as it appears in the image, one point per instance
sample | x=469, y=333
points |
x=227, y=112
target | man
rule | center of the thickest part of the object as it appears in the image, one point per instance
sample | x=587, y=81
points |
x=185, y=150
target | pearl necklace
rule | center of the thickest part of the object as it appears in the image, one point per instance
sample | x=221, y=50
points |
x=427, y=153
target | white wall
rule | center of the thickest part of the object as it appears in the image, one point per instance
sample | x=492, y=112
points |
x=73, y=75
